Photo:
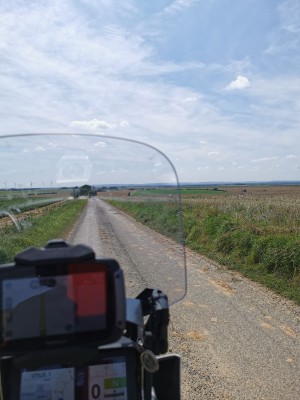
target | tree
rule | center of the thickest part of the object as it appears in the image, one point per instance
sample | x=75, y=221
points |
x=75, y=193
x=85, y=190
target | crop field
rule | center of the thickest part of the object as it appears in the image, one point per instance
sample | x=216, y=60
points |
x=174, y=192
x=252, y=229
x=26, y=223
x=19, y=208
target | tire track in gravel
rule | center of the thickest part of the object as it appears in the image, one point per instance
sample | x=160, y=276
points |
x=237, y=339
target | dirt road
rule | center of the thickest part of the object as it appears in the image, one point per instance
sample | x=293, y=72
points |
x=237, y=339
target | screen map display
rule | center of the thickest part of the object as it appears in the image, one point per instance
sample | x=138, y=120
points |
x=106, y=380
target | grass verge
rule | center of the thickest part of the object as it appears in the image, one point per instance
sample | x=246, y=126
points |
x=56, y=223
x=266, y=253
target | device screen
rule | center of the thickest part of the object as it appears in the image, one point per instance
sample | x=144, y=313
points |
x=105, y=380
x=43, y=306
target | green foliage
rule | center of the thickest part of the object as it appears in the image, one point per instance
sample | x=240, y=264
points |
x=217, y=223
x=75, y=193
x=160, y=216
x=253, y=238
x=279, y=255
x=25, y=204
x=85, y=190
x=39, y=229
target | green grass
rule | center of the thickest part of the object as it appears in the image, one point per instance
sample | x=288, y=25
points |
x=258, y=238
x=21, y=204
x=36, y=231
x=6, y=203
x=162, y=217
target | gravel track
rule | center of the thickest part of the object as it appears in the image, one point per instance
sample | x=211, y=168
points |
x=237, y=339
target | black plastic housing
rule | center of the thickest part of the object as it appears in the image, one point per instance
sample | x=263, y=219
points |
x=45, y=266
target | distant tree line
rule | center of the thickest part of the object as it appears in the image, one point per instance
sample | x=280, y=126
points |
x=85, y=190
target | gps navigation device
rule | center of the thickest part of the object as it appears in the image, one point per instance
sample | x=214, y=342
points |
x=68, y=302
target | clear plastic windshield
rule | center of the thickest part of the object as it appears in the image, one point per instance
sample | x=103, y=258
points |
x=118, y=196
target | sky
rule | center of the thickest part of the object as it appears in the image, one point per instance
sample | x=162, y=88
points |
x=212, y=83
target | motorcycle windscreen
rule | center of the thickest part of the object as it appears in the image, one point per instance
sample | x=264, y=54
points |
x=118, y=196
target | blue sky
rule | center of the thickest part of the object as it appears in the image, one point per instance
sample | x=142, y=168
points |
x=212, y=83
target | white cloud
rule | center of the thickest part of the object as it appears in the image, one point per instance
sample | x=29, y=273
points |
x=190, y=99
x=213, y=153
x=265, y=159
x=180, y=5
x=241, y=82
x=100, y=144
x=92, y=124
x=285, y=41
x=291, y=156
x=39, y=148
x=60, y=63
x=290, y=15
